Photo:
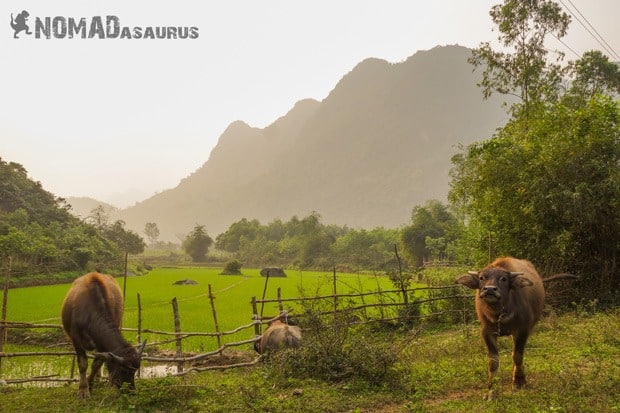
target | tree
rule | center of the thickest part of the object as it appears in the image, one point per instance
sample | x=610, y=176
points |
x=431, y=221
x=151, y=231
x=197, y=244
x=592, y=75
x=548, y=188
x=230, y=240
x=99, y=217
x=523, y=71
x=366, y=249
x=127, y=241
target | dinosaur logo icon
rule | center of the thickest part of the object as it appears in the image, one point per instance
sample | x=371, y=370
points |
x=19, y=23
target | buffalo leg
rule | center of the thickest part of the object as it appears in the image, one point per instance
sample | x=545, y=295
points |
x=83, y=392
x=94, y=371
x=490, y=340
x=518, y=375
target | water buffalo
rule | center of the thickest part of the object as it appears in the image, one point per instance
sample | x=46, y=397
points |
x=278, y=335
x=509, y=301
x=91, y=317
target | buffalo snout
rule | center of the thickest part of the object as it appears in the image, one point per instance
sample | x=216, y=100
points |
x=490, y=293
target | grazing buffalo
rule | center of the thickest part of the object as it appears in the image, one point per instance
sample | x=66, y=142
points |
x=509, y=301
x=91, y=317
x=278, y=335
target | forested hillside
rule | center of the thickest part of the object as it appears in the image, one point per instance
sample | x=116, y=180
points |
x=39, y=235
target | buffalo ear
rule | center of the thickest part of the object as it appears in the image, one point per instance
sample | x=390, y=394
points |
x=469, y=280
x=520, y=282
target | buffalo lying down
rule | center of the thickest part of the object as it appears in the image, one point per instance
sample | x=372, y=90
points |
x=91, y=317
x=510, y=300
x=278, y=335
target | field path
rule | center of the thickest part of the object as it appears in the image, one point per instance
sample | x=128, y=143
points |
x=245, y=279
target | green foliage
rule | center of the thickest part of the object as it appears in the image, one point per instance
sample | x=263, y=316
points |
x=232, y=268
x=128, y=241
x=410, y=313
x=524, y=69
x=197, y=244
x=448, y=305
x=41, y=236
x=593, y=75
x=548, y=188
x=18, y=191
x=433, y=227
x=307, y=243
x=334, y=351
x=367, y=249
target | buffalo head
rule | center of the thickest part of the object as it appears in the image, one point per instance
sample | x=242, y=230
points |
x=493, y=284
x=122, y=367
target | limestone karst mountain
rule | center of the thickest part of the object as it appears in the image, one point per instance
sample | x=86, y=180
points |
x=376, y=146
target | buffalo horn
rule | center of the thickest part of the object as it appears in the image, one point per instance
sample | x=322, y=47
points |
x=109, y=356
x=119, y=359
x=141, y=348
x=474, y=273
x=514, y=274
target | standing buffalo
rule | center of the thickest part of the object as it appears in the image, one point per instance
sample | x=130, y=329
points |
x=278, y=335
x=91, y=317
x=509, y=301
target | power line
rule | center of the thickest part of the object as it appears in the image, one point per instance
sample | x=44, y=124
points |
x=613, y=52
x=567, y=46
x=600, y=40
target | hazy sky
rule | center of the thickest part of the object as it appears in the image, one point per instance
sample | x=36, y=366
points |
x=101, y=117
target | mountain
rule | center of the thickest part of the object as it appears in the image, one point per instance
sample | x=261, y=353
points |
x=82, y=207
x=376, y=146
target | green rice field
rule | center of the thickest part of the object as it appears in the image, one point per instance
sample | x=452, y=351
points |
x=232, y=300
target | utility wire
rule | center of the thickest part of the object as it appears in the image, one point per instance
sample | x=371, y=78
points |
x=613, y=52
x=600, y=40
x=567, y=46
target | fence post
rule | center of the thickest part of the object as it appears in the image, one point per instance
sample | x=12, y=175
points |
x=5, y=298
x=262, y=304
x=139, y=325
x=177, y=330
x=217, y=327
x=125, y=277
x=280, y=305
x=257, y=326
x=335, y=294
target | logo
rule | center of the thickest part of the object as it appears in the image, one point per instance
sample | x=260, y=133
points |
x=19, y=23
x=96, y=27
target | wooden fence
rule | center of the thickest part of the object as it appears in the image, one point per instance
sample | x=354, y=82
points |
x=182, y=363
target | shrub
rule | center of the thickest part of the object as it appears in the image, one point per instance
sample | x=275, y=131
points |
x=332, y=351
x=232, y=268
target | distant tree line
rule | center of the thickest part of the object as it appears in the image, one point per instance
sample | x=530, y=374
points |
x=308, y=243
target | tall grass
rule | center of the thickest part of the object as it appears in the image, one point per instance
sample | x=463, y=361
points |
x=571, y=362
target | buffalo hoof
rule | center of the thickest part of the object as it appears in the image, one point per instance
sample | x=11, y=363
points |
x=83, y=393
x=491, y=395
x=518, y=383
